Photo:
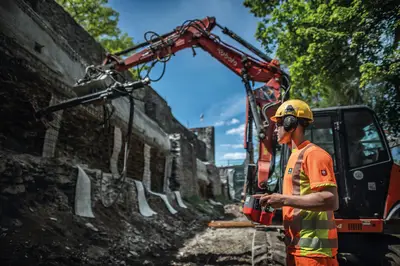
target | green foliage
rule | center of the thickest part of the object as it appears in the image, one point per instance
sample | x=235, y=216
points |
x=114, y=45
x=101, y=22
x=339, y=52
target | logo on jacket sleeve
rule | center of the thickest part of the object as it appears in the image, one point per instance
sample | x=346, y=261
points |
x=290, y=170
x=324, y=172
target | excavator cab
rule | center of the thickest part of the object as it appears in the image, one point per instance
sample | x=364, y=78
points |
x=361, y=156
x=368, y=181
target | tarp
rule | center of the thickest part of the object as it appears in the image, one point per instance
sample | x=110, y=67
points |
x=144, y=207
x=83, y=199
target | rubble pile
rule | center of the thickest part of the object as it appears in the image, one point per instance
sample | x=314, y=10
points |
x=38, y=225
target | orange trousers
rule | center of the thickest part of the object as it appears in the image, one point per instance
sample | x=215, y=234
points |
x=310, y=261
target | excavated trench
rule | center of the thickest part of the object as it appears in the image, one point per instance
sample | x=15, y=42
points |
x=37, y=221
x=38, y=225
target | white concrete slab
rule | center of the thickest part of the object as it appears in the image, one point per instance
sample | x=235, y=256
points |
x=179, y=199
x=215, y=202
x=147, y=179
x=83, y=201
x=165, y=199
x=144, y=207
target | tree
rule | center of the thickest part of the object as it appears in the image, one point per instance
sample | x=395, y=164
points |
x=338, y=51
x=101, y=22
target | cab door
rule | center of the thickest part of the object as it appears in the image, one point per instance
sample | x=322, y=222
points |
x=366, y=161
x=324, y=133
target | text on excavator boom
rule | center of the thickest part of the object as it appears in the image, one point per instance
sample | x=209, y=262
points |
x=197, y=33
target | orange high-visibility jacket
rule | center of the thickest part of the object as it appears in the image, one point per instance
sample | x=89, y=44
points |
x=309, y=233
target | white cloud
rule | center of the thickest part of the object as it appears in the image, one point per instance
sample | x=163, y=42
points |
x=224, y=111
x=234, y=156
x=219, y=123
x=233, y=121
x=236, y=131
x=233, y=146
x=233, y=106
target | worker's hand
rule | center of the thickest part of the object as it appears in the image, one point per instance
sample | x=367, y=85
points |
x=274, y=200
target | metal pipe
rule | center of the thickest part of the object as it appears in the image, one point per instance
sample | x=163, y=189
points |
x=143, y=44
x=248, y=45
x=253, y=107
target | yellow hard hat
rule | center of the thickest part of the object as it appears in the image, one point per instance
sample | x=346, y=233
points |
x=297, y=108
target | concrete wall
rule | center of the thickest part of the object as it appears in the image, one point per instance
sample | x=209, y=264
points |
x=232, y=179
x=65, y=54
x=202, y=174
x=207, y=135
x=46, y=51
x=158, y=109
x=215, y=179
x=184, y=169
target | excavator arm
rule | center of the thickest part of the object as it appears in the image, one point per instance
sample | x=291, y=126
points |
x=197, y=33
x=261, y=102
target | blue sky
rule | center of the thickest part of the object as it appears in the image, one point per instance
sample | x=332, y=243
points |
x=197, y=85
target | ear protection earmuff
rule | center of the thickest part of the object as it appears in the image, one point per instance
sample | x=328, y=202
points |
x=290, y=122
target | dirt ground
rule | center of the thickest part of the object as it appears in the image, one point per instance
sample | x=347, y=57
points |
x=38, y=225
x=218, y=246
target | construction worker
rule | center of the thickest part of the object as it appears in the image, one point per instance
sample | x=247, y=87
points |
x=309, y=195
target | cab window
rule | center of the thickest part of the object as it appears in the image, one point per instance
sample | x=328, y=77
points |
x=321, y=133
x=277, y=174
x=364, y=143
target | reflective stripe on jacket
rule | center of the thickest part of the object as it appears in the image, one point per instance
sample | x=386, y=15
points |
x=309, y=233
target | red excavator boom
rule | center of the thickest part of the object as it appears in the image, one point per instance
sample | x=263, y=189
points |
x=197, y=33
x=262, y=102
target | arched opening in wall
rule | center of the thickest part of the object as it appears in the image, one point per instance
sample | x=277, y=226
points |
x=203, y=189
x=173, y=181
x=22, y=92
x=135, y=163
x=157, y=166
x=83, y=137
x=209, y=191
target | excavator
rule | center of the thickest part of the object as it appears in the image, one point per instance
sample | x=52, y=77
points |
x=368, y=179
